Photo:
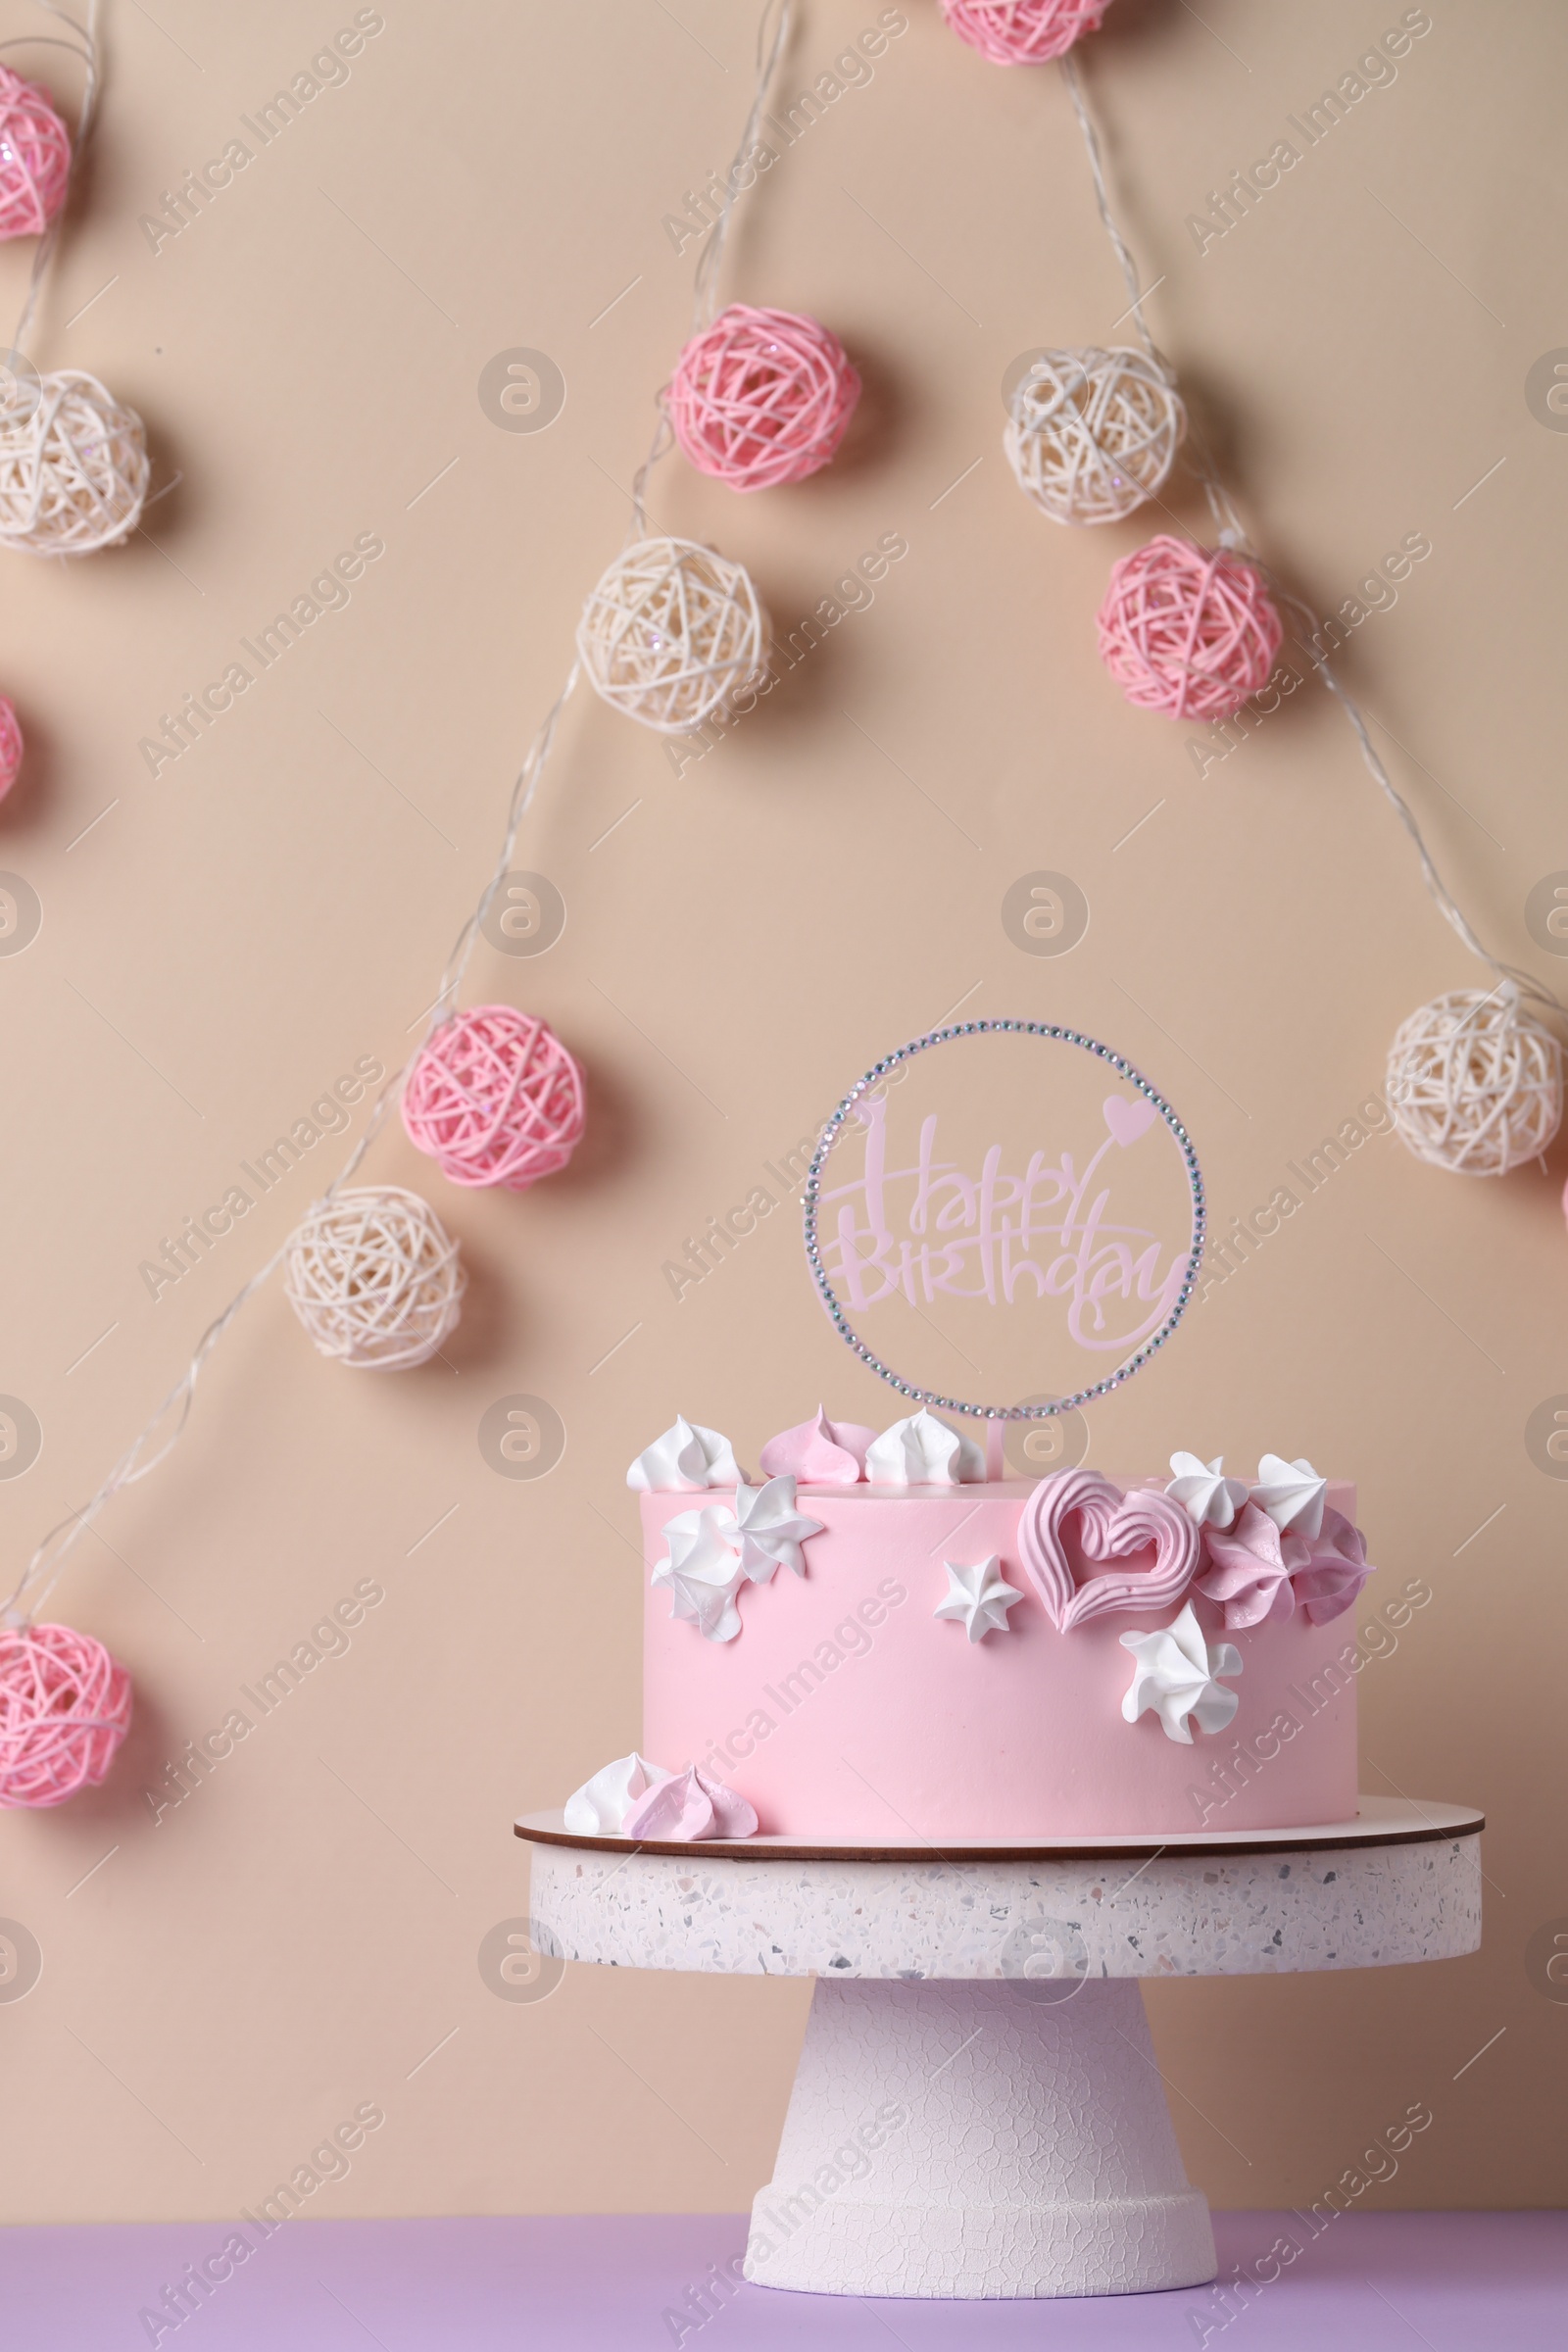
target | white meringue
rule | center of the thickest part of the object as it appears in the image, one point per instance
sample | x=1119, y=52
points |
x=1293, y=1495
x=1203, y=1491
x=1175, y=1675
x=702, y=1571
x=923, y=1452
x=770, y=1530
x=684, y=1460
x=978, y=1599
x=599, y=1809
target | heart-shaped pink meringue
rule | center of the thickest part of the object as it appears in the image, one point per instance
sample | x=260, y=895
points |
x=1111, y=1526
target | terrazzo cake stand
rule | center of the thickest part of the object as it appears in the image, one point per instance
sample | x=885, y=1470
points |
x=977, y=2110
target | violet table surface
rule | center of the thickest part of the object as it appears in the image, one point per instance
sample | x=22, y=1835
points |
x=605, y=2283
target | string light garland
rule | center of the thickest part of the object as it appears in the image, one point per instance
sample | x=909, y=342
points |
x=1473, y=1078
x=11, y=745
x=672, y=629
x=73, y=478
x=373, y=1275
x=1092, y=434
x=761, y=397
x=74, y=467
x=495, y=1098
x=375, y=1279
x=34, y=157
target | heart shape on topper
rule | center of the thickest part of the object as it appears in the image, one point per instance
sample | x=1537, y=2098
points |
x=1126, y=1120
x=1111, y=1526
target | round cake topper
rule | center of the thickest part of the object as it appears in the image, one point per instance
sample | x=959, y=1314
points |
x=1005, y=1204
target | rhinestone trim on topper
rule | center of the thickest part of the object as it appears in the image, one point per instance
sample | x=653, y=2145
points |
x=956, y=1404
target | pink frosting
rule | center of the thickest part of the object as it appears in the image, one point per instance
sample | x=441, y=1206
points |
x=847, y=1714
x=1253, y=1564
x=1328, y=1585
x=820, y=1452
x=689, y=1806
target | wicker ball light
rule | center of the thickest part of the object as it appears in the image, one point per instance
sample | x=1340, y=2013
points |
x=375, y=1279
x=1023, y=32
x=64, y=1707
x=1187, y=631
x=761, y=397
x=669, y=631
x=34, y=157
x=1474, y=1082
x=11, y=745
x=73, y=469
x=1090, y=434
x=495, y=1098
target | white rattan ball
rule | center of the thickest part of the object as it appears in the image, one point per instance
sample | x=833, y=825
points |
x=1475, y=1084
x=375, y=1278
x=1090, y=434
x=72, y=470
x=669, y=631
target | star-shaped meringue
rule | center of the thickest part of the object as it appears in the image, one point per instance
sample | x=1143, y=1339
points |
x=1203, y=1491
x=1293, y=1495
x=977, y=1597
x=702, y=1571
x=771, y=1529
x=1174, y=1676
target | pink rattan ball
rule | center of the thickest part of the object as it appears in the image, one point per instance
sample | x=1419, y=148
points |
x=64, y=1707
x=11, y=745
x=1188, y=631
x=761, y=397
x=1022, y=32
x=495, y=1099
x=34, y=157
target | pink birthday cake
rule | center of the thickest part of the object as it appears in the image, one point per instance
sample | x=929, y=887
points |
x=871, y=1642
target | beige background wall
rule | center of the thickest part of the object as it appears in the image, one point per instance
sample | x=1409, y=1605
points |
x=741, y=940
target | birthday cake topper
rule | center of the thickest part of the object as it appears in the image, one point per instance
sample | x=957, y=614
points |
x=1008, y=1204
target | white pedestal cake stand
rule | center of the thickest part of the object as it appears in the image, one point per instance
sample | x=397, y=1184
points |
x=977, y=2110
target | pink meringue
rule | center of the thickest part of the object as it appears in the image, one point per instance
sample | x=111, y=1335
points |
x=820, y=1452
x=688, y=1808
x=1254, y=1562
x=1335, y=1571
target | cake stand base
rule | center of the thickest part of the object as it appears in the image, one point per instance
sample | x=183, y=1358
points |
x=978, y=2140
x=977, y=2110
